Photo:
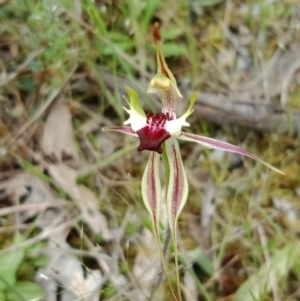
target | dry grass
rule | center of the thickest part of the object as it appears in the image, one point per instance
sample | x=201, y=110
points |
x=72, y=222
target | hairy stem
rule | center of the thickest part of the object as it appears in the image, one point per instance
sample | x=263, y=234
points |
x=167, y=241
x=174, y=236
x=163, y=261
x=164, y=252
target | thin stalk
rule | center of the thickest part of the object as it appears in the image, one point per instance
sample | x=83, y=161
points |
x=165, y=249
x=167, y=242
x=174, y=236
x=163, y=261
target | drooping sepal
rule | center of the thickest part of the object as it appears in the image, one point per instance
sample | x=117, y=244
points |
x=217, y=144
x=151, y=187
x=178, y=185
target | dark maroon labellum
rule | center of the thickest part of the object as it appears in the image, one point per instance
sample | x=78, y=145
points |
x=153, y=134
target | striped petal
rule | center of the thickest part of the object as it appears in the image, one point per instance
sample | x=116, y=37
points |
x=217, y=144
x=178, y=185
x=151, y=187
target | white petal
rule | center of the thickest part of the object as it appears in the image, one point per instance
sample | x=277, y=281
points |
x=174, y=126
x=137, y=121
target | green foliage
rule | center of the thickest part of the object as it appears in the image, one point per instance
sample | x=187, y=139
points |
x=200, y=286
x=95, y=16
x=261, y=282
x=10, y=288
x=9, y=264
x=103, y=40
x=173, y=49
x=208, y=2
x=28, y=290
x=132, y=228
x=199, y=256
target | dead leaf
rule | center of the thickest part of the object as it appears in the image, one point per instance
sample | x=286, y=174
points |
x=66, y=271
x=85, y=199
x=58, y=134
x=29, y=187
x=147, y=264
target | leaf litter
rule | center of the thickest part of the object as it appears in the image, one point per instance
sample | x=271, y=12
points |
x=33, y=196
x=83, y=197
x=33, y=191
x=66, y=271
x=28, y=193
x=58, y=135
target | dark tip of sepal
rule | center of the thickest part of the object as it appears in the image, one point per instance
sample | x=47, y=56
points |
x=156, y=19
x=156, y=31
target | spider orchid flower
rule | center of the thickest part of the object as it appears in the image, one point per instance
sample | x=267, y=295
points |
x=158, y=133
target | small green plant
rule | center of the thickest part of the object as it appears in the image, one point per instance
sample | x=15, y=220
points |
x=10, y=287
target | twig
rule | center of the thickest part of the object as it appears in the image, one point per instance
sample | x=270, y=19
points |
x=43, y=235
x=293, y=296
x=221, y=109
x=109, y=272
x=14, y=228
x=40, y=206
x=215, y=276
x=286, y=83
x=22, y=67
x=265, y=77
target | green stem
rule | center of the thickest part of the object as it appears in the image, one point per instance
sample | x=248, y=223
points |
x=176, y=260
x=165, y=249
x=167, y=242
x=12, y=289
x=163, y=261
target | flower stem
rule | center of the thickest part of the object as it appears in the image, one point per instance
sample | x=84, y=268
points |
x=163, y=261
x=174, y=236
x=167, y=241
x=164, y=250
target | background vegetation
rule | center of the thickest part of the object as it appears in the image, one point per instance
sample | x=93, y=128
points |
x=72, y=223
